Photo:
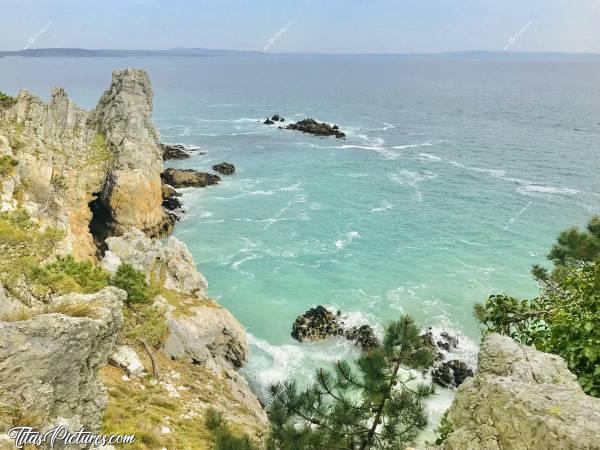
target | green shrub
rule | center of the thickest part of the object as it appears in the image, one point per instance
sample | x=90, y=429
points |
x=565, y=318
x=7, y=165
x=67, y=275
x=134, y=283
x=6, y=101
x=443, y=430
x=224, y=439
x=146, y=323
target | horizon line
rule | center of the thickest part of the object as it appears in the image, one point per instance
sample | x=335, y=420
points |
x=262, y=52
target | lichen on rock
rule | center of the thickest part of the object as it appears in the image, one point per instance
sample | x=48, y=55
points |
x=521, y=398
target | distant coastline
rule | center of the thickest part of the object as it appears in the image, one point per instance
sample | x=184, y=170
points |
x=474, y=55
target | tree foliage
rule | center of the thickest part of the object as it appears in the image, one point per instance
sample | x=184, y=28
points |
x=374, y=403
x=565, y=318
x=134, y=283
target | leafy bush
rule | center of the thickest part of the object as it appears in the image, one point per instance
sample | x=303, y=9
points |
x=134, y=283
x=565, y=318
x=6, y=101
x=7, y=165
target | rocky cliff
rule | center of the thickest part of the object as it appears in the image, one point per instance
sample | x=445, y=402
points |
x=73, y=163
x=521, y=399
x=86, y=184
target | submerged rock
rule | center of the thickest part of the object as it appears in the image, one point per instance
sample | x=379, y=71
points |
x=225, y=168
x=311, y=126
x=451, y=374
x=521, y=398
x=180, y=178
x=174, y=151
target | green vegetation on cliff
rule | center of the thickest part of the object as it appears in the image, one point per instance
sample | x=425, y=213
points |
x=7, y=165
x=565, y=318
x=6, y=101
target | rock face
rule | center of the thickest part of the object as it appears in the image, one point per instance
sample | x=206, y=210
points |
x=209, y=335
x=170, y=262
x=49, y=363
x=311, y=126
x=68, y=158
x=320, y=323
x=132, y=190
x=522, y=399
x=225, y=168
x=126, y=358
x=201, y=331
x=181, y=178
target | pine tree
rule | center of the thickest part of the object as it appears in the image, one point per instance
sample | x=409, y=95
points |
x=373, y=404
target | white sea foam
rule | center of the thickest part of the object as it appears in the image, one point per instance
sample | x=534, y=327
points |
x=276, y=363
x=551, y=190
x=428, y=157
x=412, y=179
x=402, y=147
x=385, y=206
x=341, y=244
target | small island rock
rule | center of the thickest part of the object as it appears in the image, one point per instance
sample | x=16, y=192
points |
x=225, y=168
x=180, y=178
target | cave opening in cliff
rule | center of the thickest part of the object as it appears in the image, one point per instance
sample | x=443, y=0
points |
x=101, y=224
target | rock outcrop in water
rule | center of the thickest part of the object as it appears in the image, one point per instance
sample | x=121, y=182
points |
x=174, y=151
x=311, y=126
x=319, y=323
x=521, y=399
x=225, y=168
x=181, y=178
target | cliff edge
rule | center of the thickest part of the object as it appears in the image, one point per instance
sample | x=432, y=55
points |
x=521, y=399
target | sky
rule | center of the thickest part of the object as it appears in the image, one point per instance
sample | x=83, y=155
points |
x=314, y=26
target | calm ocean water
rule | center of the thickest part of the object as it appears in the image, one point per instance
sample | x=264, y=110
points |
x=454, y=179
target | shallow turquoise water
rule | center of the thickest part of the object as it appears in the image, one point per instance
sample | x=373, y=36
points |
x=454, y=179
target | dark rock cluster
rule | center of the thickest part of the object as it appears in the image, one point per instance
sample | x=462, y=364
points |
x=225, y=168
x=320, y=323
x=311, y=126
x=181, y=178
x=451, y=373
x=446, y=373
x=175, y=151
x=272, y=120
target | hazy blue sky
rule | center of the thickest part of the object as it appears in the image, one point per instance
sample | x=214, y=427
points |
x=348, y=26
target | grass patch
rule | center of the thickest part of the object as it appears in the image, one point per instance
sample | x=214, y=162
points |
x=7, y=165
x=140, y=407
x=71, y=309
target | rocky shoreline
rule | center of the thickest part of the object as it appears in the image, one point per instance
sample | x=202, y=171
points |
x=87, y=193
x=320, y=323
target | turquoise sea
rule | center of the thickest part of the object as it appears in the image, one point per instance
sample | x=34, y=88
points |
x=454, y=179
